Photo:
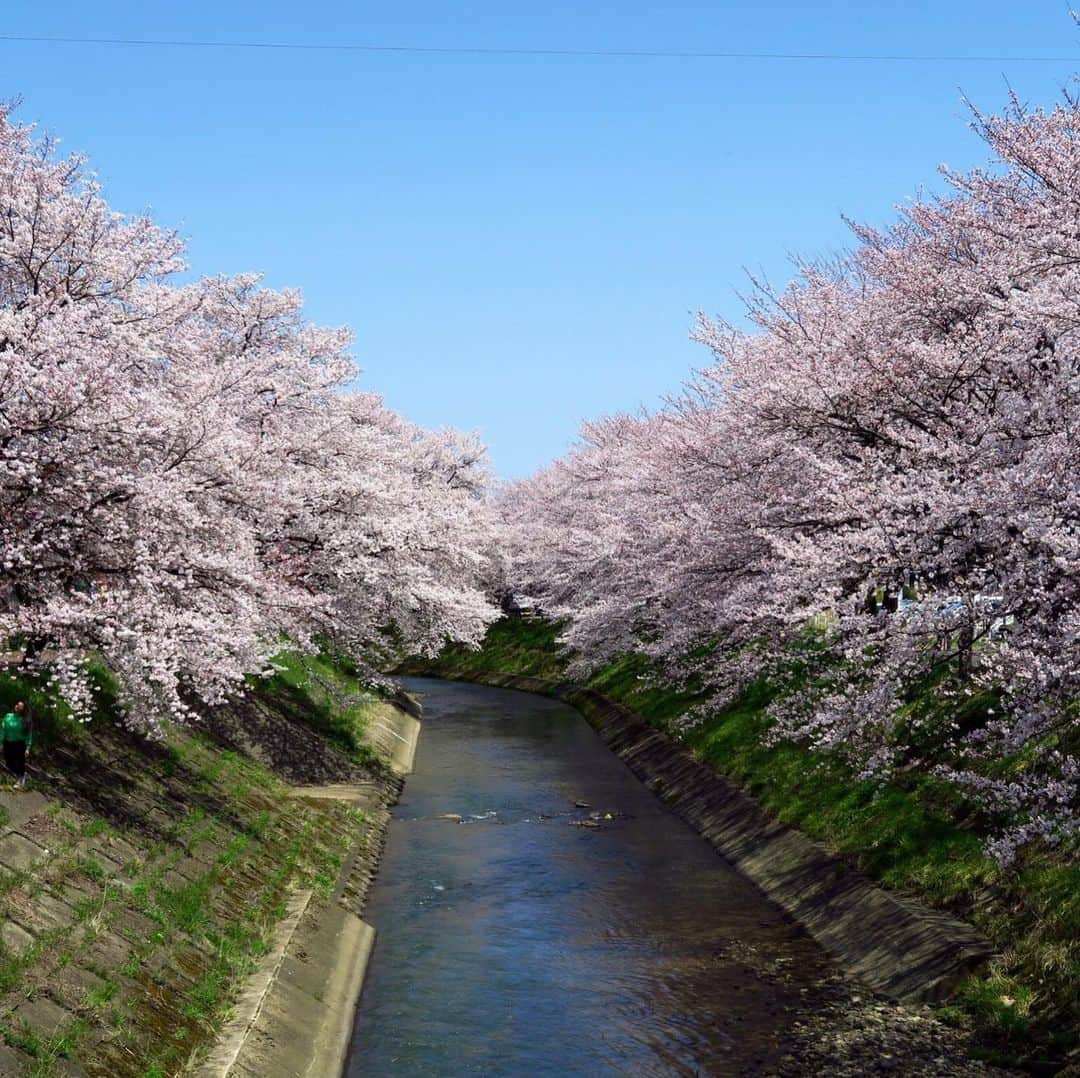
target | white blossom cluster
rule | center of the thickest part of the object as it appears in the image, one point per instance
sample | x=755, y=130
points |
x=186, y=479
x=886, y=473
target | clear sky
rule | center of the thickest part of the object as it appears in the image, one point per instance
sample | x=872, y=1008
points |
x=519, y=242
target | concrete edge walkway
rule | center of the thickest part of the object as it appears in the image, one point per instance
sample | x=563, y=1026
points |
x=899, y=948
x=295, y=1018
x=248, y=1007
x=295, y=1015
x=395, y=734
x=357, y=793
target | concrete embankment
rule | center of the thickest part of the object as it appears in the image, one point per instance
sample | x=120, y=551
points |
x=903, y=950
x=295, y=1016
x=142, y=883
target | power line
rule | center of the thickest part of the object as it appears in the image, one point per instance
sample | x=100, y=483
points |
x=633, y=54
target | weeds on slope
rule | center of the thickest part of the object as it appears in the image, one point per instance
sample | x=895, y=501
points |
x=913, y=834
x=166, y=867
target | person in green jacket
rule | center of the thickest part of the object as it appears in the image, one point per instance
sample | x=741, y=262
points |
x=17, y=732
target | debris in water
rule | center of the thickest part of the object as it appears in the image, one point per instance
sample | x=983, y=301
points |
x=449, y=816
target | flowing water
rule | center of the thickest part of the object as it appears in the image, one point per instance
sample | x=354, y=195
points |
x=530, y=938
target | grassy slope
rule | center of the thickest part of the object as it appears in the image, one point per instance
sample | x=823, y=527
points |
x=913, y=835
x=166, y=867
x=332, y=701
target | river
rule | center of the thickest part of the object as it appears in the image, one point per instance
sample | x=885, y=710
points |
x=530, y=938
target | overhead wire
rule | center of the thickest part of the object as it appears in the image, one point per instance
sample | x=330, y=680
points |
x=458, y=50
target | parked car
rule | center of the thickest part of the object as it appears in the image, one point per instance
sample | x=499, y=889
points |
x=518, y=605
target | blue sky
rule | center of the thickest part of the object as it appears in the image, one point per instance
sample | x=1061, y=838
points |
x=519, y=243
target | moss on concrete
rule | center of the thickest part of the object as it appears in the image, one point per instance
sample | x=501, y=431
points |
x=140, y=882
x=913, y=835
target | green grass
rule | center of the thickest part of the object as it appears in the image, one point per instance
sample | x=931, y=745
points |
x=97, y=998
x=23, y=1037
x=254, y=838
x=185, y=907
x=325, y=694
x=914, y=834
x=512, y=647
x=45, y=1052
x=631, y=680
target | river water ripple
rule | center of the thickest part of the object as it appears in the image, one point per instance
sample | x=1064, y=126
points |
x=530, y=938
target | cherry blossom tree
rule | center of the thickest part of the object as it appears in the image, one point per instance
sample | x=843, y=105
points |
x=186, y=476
x=900, y=421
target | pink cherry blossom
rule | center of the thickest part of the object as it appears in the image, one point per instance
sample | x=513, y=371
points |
x=186, y=476
x=906, y=417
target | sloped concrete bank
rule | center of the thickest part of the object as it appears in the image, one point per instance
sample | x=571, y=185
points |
x=900, y=949
x=141, y=882
x=295, y=1016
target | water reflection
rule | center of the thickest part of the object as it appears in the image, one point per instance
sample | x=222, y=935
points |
x=540, y=912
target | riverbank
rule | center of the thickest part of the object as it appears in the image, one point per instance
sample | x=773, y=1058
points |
x=149, y=892
x=541, y=911
x=907, y=953
x=910, y=838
